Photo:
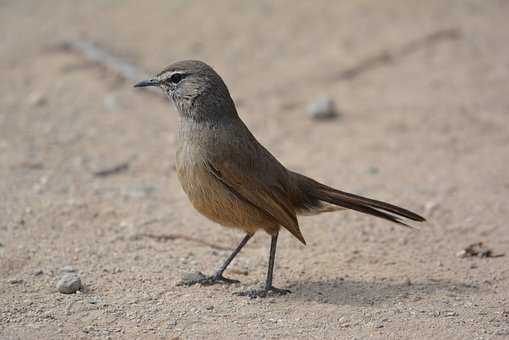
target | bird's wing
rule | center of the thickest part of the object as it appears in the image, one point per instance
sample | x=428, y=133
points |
x=260, y=190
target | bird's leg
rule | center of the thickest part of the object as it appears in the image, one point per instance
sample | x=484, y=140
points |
x=270, y=270
x=269, y=289
x=217, y=277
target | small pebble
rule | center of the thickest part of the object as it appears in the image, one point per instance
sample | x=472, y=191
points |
x=462, y=254
x=322, y=108
x=373, y=170
x=105, y=170
x=15, y=281
x=191, y=278
x=69, y=283
x=36, y=99
x=450, y=313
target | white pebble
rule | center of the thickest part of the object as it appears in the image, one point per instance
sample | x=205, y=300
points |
x=322, y=108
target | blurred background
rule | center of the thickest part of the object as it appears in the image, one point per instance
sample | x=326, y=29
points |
x=404, y=101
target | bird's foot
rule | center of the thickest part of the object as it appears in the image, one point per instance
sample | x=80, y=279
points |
x=264, y=292
x=191, y=279
x=218, y=279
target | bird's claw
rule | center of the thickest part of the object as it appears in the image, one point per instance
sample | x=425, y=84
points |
x=200, y=278
x=218, y=279
x=265, y=292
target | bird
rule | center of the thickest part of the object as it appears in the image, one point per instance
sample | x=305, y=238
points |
x=233, y=180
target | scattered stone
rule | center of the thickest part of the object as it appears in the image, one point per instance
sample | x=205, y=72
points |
x=322, y=108
x=189, y=279
x=15, y=281
x=477, y=250
x=36, y=99
x=112, y=170
x=69, y=283
x=209, y=308
x=450, y=313
x=94, y=301
x=373, y=170
x=461, y=254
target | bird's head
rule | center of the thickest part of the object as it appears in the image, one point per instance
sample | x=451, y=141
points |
x=197, y=91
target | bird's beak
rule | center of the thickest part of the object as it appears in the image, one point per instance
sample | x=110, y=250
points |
x=145, y=83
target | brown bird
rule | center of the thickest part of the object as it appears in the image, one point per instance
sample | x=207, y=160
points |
x=233, y=180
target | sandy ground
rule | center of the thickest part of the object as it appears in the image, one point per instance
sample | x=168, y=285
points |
x=427, y=129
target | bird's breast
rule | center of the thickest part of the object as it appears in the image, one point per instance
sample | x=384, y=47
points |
x=206, y=194
x=210, y=196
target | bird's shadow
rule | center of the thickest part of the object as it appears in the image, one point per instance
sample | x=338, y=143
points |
x=362, y=293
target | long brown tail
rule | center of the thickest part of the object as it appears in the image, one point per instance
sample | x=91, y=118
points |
x=316, y=193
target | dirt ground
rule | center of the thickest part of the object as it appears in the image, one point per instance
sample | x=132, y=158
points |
x=424, y=124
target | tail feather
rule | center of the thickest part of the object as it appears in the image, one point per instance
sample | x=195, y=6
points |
x=361, y=207
x=340, y=196
x=317, y=192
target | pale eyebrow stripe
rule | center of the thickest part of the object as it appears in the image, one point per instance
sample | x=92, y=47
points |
x=169, y=74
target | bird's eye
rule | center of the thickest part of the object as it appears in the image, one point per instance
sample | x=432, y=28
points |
x=176, y=78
